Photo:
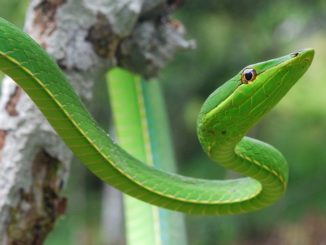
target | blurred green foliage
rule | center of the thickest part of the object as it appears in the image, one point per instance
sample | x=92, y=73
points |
x=13, y=10
x=229, y=36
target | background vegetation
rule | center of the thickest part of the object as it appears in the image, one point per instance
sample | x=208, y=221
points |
x=230, y=35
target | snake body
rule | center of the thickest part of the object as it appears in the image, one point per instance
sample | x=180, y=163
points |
x=225, y=117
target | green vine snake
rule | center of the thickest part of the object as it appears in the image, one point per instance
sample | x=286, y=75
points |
x=226, y=116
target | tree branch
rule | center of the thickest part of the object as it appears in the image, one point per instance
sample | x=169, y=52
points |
x=85, y=38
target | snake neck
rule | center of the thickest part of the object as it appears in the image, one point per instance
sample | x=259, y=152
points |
x=218, y=137
x=229, y=147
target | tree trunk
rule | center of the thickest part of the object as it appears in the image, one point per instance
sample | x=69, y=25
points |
x=85, y=38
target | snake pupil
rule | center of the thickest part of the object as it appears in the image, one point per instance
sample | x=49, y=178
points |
x=248, y=75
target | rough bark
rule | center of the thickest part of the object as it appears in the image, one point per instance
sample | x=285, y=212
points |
x=85, y=37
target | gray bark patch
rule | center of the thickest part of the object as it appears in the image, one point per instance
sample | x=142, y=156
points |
x=12, y=102
x=102, y=38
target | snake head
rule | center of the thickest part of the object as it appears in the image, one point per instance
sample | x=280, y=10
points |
x=256, y=89
x=263, y=85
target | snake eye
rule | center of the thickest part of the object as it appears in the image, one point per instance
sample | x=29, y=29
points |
x=248, y=75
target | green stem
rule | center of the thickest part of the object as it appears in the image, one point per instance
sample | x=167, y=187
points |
x=142, y=130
